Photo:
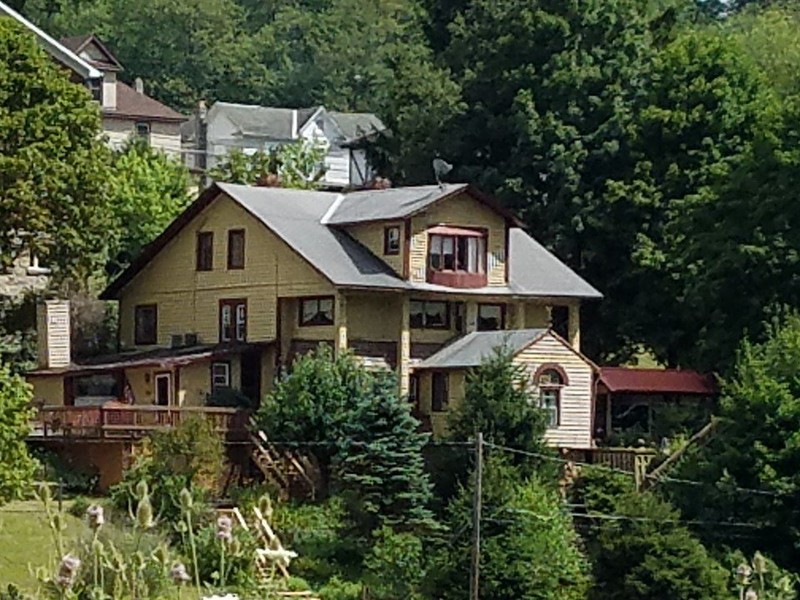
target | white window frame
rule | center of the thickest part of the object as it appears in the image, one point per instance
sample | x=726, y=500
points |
x=170, y=389
x=224, y=374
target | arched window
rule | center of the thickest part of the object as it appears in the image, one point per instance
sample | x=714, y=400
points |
x=550, y=380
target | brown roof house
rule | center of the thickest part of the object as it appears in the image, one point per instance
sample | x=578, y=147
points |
x=127, y=111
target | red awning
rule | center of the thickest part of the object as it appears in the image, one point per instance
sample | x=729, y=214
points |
x=461, y=231
x=657, y=381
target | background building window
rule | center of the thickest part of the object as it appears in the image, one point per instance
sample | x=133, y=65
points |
x=220, y=375
x=145, y=324
x=491, y=317
x=550, y=382
x=236, y=249
x=316, y=311
x=143, y=132
x=391, y=240
x=205, y=251
x=426, y=314
x=439, y=392
x=233, y=320
x=96, y=89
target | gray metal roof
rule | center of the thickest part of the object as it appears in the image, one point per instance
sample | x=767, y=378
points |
x=474, y=348
x=297, y=217
x=534, y=270
x=356, y=125
x=258, y=121
x=389, y=204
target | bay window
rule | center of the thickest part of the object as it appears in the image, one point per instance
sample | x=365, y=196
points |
x=457, y=257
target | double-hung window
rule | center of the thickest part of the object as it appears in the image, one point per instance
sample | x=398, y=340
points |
x=440, y=391
x=236, y=249
x=316, y=311
x=428, y=314
x=220, y=375
x=205, y=251
x=233, y=320
x=491, y=317
x=550, y=382
x=460, y=250
x=145, y=325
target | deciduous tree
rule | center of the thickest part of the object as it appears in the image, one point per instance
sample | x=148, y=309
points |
x=17, y=468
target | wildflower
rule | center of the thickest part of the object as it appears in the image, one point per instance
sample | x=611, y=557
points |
x=67, y=571
x=179, y=574
x=279, y=555
x=144, y=513
x=265, y=506
x=224, y=528
x=743, y=572
x=759, y=563
x=142, y=489
x=186, y=499
x=95, y=516
x=750, y=595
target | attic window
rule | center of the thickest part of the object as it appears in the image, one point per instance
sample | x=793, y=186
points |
x=316, y=311
x=391, y=240
x=143, y=131
x=236, y=249
x=456, y=257
x=145, y=324
x=550, y=382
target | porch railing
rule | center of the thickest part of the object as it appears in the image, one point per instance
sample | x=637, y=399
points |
x=128, y=422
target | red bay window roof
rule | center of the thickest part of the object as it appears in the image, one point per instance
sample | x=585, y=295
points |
x=657, y=381
x=460, y=231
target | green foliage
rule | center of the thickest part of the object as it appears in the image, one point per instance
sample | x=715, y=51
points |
x=499, y=402
x=340, y=589
x=238, y=561
x=293, y=165
x=529, y=547
x=148, y=190
x=312, y=403
x=17, y=468
x=754, y=446
x=644, y=552
x=380, y=468
x=395, y=566
x=53, y=166
x=76, y=480
x=78, y=507
x=190, y=455
x=760, y=574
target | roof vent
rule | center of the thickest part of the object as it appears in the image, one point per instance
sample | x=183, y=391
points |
x=138, y=84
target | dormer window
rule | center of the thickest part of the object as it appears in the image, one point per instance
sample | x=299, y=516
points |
x=457, y=257
x=391, y=240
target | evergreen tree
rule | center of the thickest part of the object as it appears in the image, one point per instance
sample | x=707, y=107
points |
x=499, y=402
x=380, y=468
x=530, y=550
x=17, y=468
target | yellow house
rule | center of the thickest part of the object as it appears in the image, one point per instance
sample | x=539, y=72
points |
x=559, y=376
x=248, y=277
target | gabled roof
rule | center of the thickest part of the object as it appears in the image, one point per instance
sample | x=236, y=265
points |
x=657, y=381
x=401, y=203
x=58, y=51
x=132, y=104
x=283, y=124
x=298, y=218
x=474, y=348
x=105, y=60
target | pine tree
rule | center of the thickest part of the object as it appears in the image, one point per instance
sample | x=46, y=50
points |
x=380, y=468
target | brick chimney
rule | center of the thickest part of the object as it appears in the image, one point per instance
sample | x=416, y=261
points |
x=53, y=334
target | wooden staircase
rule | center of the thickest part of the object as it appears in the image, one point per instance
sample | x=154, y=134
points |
x=293, y=474
x=657, y=474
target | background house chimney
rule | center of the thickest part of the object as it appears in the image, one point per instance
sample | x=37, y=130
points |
x=138, y=84
x=53, y=333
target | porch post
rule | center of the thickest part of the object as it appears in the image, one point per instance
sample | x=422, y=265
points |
x=517, y=317
x=472, y=317
x=575, y=326
x=404, y=348
x=340, y=322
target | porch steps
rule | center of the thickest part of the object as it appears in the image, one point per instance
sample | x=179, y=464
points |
x=293, y=474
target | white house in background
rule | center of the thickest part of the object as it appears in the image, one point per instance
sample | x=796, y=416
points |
x=212, y=133
x=127, y=111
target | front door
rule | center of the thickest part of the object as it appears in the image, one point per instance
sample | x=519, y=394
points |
x=164, y=389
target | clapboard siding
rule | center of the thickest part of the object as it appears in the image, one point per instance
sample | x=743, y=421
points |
x=462, y=211
x=575, y=430
x=188, y=300
x=371, y=235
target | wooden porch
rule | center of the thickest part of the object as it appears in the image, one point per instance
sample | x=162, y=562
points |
x=119, y=422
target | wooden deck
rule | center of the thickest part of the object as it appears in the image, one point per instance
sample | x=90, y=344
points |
x=130, y=422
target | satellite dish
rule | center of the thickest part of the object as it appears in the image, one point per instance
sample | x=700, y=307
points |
x=440, y=169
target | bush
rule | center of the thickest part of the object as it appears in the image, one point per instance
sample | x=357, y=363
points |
x=339, y=589
x=76, y=480
x=239, y=556
x=78, y=507
x=395, y=566
x=17, y=468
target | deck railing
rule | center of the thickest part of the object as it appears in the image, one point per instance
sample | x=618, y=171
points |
x=128, y=422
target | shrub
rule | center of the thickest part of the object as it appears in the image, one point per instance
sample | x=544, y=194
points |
x=339, y=589
x=76, y=480
x=78, y=507
x=395, y=566
x=239, y=556
x=17, y=468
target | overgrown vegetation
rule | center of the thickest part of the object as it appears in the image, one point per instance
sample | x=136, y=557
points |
x=17, y=468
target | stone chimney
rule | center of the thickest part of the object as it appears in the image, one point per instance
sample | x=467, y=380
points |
x=138, y=85
x=53, y=334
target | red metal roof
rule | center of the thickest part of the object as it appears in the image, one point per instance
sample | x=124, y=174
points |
x=657, y=381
